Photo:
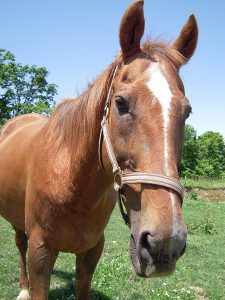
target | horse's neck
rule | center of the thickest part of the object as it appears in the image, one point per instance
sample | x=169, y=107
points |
x=77, y=125
x=87, y=148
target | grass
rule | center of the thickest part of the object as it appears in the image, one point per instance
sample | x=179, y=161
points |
x=200, y=273
x=204, y=183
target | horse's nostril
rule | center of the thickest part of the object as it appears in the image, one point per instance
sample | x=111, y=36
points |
x=144, y=240
x=148, y=242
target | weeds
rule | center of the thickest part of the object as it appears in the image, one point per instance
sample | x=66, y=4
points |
x=193, y=196
x=206, y=227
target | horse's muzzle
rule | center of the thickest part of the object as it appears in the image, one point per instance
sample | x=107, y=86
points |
x=152, y=257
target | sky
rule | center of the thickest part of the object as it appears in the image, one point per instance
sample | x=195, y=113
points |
x=76, y=39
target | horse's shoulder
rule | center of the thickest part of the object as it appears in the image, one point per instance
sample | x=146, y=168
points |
x=18, y=122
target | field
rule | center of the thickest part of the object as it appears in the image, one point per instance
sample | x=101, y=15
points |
x=200, y=273
x=204, y=183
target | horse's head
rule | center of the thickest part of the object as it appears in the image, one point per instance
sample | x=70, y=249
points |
x=146, y=127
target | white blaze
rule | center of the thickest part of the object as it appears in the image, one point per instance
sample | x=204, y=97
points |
x=160, y=88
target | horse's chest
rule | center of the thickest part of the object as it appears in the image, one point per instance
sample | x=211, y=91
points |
x=72, y=218
x=78, y=231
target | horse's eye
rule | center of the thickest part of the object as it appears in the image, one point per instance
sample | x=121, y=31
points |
x=122, y=105
x=189, y=113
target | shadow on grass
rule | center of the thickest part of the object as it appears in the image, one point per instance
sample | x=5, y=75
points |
x=67, y=292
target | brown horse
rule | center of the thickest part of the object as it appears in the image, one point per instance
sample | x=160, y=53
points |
x=53, y=189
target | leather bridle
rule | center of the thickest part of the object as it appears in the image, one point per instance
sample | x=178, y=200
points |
x=121, y=177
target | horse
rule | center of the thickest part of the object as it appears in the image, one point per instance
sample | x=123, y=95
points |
x=126, y=131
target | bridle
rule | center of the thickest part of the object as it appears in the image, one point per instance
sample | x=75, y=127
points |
x=121, y=177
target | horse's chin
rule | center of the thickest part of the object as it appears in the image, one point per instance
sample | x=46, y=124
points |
x=145, y=266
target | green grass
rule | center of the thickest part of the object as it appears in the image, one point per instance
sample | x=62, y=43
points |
x=200, y=273
x=204, y=183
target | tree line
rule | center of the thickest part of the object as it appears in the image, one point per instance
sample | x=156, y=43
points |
x=25, y=89
x=204, y=155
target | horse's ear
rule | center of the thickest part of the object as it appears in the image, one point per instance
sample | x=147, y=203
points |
x=188, y=38
x=132, y=29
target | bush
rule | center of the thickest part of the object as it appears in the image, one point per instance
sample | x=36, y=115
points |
x=203, y=155
x=193, y=196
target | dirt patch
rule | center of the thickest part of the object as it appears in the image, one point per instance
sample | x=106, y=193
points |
x=199, y=291
x=215, y=195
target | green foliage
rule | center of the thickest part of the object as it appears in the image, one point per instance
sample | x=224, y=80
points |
x=23, y=89
x=193, y=196
x=203, y=155
x=187, y=183
x=206, y=227
x=190, y=158
x=211, y=155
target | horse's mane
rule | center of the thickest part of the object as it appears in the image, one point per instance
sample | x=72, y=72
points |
x=72, y=119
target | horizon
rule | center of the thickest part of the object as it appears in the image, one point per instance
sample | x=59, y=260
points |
x=75, y=44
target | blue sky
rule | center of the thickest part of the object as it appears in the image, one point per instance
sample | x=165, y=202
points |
x=76, y=39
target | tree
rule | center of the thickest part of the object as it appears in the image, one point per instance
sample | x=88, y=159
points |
x=211, y=156
x=23, y=89
x=190, y=154
x=203, y=155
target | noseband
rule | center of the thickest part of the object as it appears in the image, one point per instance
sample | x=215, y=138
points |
x=121, y=177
